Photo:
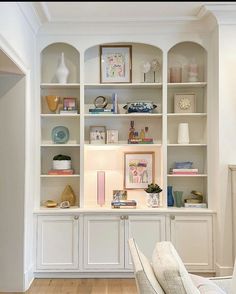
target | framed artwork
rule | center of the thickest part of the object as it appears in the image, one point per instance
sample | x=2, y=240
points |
x=138, y=169
x=185, y=103
x=69, y=103
x=115, y=64
x=119, y=195
x=112, y=136
x=97, y=135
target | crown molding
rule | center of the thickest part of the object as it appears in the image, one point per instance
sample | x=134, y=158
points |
x=225, y=13
x=30, y=15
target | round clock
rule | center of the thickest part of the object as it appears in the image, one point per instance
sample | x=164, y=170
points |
x=184, y=103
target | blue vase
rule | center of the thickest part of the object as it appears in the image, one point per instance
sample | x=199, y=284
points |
x=170, y=198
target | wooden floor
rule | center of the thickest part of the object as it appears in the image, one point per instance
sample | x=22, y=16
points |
x=83, y=286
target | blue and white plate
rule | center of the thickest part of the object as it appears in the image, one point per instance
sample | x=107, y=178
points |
x=60, y=135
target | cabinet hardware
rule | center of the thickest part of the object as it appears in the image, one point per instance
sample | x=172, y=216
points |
x=172, y=217
x=122, y=217
x=76, y=217
x=126, y=217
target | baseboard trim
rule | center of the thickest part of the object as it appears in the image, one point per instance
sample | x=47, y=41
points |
x=28, y=278
x=87, y=275
x=223, y=270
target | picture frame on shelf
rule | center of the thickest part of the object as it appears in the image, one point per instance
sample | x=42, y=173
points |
x=69, y=104
x=97, y=135
x=184, y=103
x=115, y=64
x=112, y=136
x=119, y=195
x=138, y=169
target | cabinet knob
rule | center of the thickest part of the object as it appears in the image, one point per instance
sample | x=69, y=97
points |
x=122, y=217
x=126, y=217
x=172, y=217
x=76, y=217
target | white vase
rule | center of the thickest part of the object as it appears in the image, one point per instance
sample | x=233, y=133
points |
x=183, y=133
x=153, y=199
x=62, y=71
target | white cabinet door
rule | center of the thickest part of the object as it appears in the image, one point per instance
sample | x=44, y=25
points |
x=146, y=230
x=57, y=242
x=192, y=237
x=103, y=242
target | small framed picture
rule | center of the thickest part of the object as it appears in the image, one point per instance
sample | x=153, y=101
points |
x=119, y=195
x=138, y=169
x=185, y=103
x=116, y=64
x=112, y=136
x=69, y=103
x=97, y=135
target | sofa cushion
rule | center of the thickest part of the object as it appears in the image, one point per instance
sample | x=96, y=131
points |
x=170, y=270
x=206, y=286
x=144, y=275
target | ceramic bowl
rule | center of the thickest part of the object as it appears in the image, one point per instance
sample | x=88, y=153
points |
x=141, y=107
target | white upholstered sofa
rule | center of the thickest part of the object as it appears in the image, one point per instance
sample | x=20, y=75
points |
x=166, y=274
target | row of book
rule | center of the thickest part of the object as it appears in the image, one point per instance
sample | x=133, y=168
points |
x=184, y=171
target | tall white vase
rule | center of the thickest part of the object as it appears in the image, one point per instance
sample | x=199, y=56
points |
x=183, y=133
x=62, y=71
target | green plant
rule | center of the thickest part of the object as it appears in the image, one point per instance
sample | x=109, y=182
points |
x=153, y=188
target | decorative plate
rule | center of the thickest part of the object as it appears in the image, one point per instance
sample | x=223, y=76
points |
x=60, y=135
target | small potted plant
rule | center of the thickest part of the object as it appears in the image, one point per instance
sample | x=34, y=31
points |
x=153, y=191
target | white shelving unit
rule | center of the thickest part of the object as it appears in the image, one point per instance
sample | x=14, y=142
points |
x=53, y=185
x=84, y=84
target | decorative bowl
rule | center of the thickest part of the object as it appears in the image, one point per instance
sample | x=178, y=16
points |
x=140, y=107
x=60, y=135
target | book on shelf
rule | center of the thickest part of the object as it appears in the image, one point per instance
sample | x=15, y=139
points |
x=123, y=204
x=185, y=170
x=68, y=112
x=141, y=141
x=61, y=172
x=114, y=99
x=100, y=110
x=195, y=205
x=184, y=173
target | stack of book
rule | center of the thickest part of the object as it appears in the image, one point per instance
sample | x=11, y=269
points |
x=69, y=112
x=123, y=204
x=141, y=141
x=195, y=205
x=100, y=111
x=61, y=172
x=184, y=171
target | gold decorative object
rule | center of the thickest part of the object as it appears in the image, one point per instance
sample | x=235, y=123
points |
x=53, y=102
x=50, y=203
x=68, y=195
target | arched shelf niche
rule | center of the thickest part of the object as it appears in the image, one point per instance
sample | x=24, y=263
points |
x=50, y=59
x=140, y=53
x=185, y=53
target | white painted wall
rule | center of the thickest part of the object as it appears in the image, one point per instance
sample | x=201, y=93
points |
x=12, y=185
x=18, y=39
x=227, y=142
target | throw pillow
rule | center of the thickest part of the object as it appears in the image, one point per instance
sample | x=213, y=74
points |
x=170, y=270
x=206, y=286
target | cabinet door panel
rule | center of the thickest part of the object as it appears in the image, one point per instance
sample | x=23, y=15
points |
x=57, y=242
x=104, y=242
x=192, y=238
x=146, y=230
